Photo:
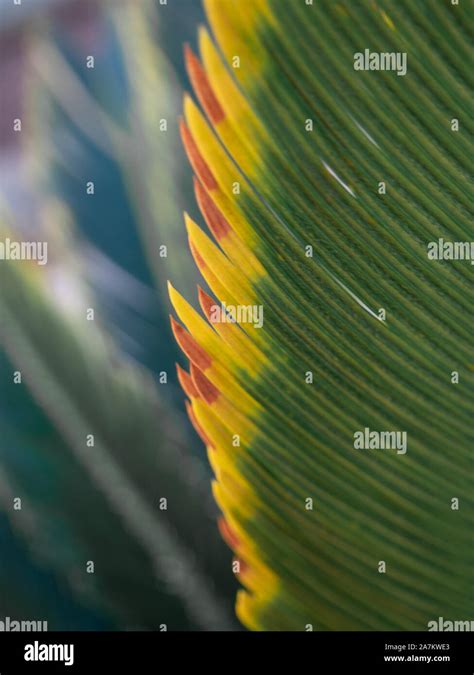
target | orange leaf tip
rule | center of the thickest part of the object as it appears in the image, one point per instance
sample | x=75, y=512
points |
x=213, y=216
x=206, y=389
x=186, y=382
x=206, y=302
x=202, y=86
x=195, y=353
x=228, y=534
x=198, y=162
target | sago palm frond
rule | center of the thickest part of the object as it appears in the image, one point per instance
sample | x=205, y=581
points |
x=325, y=188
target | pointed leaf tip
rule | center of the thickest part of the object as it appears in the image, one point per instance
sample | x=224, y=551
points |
x=186, y=382
x=202, y=87
x=206, y=389
x=198, y=163
x=195, y=353
x=216, y=222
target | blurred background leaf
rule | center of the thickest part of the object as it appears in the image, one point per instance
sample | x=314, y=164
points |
x=113, y=377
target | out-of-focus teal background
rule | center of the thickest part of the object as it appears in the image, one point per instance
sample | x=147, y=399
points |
x=157, y=565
